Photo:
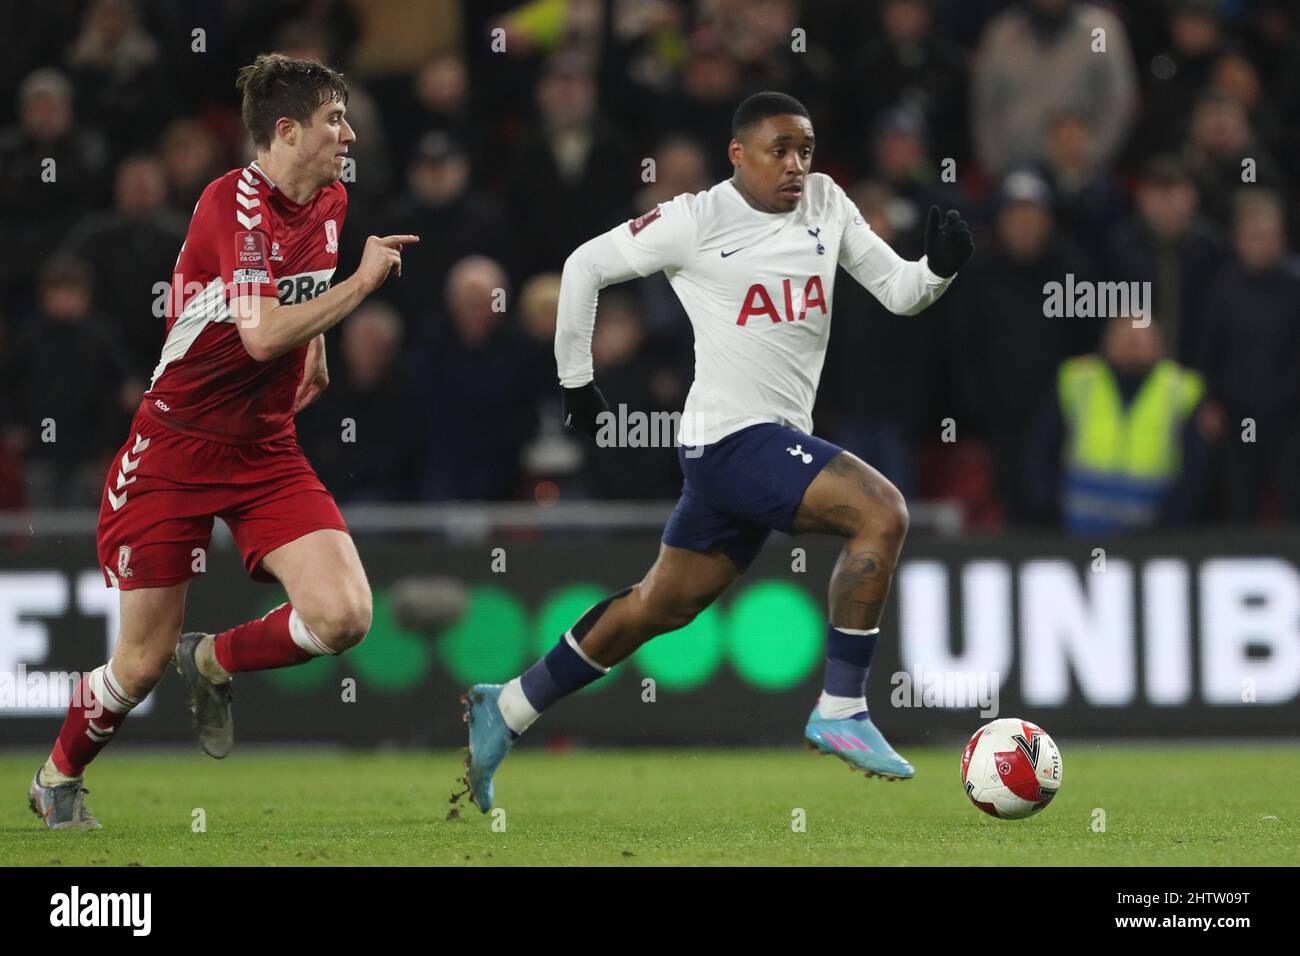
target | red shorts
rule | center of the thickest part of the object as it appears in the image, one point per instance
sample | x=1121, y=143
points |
x=164, y=488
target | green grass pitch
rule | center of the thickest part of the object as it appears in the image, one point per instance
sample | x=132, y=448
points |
x=1188, y=805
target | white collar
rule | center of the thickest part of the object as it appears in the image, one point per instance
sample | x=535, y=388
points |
x=261, y=172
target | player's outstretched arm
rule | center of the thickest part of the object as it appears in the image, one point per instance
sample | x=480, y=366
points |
x=594, y=265
x=269, y=329
x=901, y=286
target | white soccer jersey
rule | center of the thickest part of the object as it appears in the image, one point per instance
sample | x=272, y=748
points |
x=758, y=288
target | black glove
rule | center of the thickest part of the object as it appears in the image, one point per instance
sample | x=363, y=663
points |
x=581, y=405
x=948, y=244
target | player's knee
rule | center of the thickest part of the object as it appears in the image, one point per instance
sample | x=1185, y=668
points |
x=887, y=517
x=139, y=673
x=344, y=620
x=353, y=623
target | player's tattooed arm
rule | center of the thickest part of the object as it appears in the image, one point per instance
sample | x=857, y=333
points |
x=269, y=329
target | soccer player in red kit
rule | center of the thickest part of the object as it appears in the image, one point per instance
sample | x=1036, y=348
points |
x=214, y=436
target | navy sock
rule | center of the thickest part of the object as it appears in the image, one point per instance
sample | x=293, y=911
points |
x=564, y=669
x=561, y=672
x=848, y=659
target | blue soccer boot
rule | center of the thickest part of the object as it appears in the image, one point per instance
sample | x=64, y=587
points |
x=857, y=742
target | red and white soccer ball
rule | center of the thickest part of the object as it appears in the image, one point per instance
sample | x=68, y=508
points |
x=1011, y=769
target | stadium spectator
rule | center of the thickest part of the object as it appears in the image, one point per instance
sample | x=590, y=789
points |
x=1270, y=39
x=1220, y=144
x=1252, y=360
x=710, y=85
x=908, y=63
x=681, y=166
x=1088, y=199
x=451, y=218
x=476, y=391
x=434, y=98
x=70, y=395
x=757, y=36
x=904, y=162
x=1180, y=74
x=50, y=173
x=1037, y=58
x=1235, y=76
x=572, y=172
x=1007, y=350
x=119, y=75
x=1168, y=243
x=1286, y=86
x=360, y=447
x=1120, y=446
x=539, y=301
x=131, y=250
x=191, y=159
x=554, y=454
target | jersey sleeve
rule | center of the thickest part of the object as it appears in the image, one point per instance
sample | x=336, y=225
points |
x=239, y=226
x=900, y=285
x=593, y=266
x=663, y=238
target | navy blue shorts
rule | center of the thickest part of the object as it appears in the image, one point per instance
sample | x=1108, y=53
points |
x=742, y=488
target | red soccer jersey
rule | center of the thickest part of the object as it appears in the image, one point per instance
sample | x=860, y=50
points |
x=246, y=237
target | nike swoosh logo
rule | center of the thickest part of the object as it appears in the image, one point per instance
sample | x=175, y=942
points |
x=725, y=253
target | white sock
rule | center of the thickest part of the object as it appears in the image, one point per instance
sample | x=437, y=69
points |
x=518, y=713
x=304, y=636
x=51, y=777
x=839, y=708
x=205, y=657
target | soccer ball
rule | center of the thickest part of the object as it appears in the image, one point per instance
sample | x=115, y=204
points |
x=1011, y=769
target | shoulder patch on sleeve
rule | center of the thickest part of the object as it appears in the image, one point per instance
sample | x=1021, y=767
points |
x=640, y=222
x=250, y=258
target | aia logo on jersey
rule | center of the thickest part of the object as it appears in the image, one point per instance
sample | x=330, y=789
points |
x=798, y=302
x=331, y=236
x=640, y=222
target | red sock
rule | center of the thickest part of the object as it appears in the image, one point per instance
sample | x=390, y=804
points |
x=278, y=639
x=98, y=708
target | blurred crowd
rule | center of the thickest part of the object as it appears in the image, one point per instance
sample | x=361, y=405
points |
x=1148, y=142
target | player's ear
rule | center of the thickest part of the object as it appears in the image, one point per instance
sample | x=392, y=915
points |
x=733, y=151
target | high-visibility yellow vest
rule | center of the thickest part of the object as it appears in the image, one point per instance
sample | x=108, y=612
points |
x=1120, y=462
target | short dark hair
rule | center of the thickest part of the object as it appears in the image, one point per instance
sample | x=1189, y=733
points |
x=276, y=85
x=754, y=109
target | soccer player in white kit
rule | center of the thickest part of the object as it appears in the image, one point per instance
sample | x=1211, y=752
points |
x=753, y=261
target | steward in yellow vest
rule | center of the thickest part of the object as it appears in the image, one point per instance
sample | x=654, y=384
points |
x=1125, y=415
